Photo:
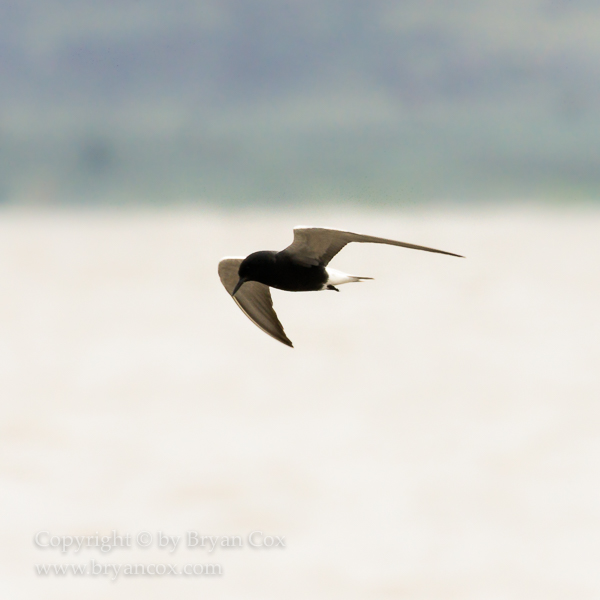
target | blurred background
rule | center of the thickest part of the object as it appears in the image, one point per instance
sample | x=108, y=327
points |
x=228, y=101
x=434, y=433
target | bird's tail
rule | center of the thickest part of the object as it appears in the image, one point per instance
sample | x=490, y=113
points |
x=337, y=277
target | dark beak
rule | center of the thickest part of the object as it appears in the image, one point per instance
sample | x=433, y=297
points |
x=238, y=285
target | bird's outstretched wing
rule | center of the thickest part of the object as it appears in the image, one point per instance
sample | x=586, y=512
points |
x=317, y=246
x=254, y=299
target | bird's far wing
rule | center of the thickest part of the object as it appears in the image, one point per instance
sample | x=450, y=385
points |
x=317, y=246
x=254, y=299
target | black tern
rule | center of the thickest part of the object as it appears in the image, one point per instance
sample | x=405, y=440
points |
x=301, y=267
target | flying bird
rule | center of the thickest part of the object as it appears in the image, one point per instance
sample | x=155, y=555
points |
x=301, y=267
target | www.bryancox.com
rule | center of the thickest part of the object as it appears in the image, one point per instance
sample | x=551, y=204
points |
x=113, y=570
x=192, y=540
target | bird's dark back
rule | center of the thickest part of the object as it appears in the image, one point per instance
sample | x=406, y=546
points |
x=278, y=270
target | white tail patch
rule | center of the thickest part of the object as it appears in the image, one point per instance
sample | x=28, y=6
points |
x=337, y=277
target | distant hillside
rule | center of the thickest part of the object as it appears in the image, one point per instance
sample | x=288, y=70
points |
x=289, y=100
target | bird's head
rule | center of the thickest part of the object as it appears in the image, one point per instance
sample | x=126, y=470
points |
x=254, y=268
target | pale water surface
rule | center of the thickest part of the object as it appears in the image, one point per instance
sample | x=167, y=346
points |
x=433, y=435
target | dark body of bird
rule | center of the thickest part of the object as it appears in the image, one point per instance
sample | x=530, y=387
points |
x=281, y=271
